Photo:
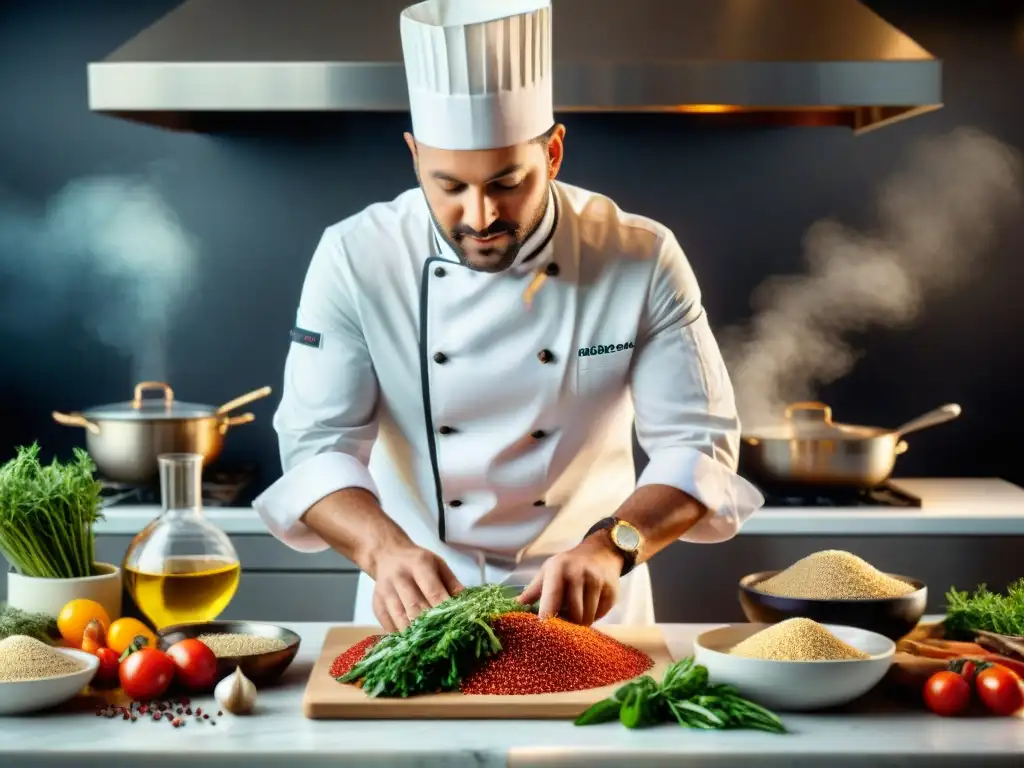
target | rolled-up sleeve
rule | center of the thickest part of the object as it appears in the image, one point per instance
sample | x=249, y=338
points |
x=686, y=419
x=326, y=421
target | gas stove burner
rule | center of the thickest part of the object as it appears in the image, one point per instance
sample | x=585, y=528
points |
x=222, y=487
x=884, y=495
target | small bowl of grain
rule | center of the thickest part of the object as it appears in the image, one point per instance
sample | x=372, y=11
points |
x=35, y=675
x=263, y=651
x=836, y=587
x=797, y=664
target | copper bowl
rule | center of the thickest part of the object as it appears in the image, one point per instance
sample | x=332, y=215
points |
x=261, y=668
x=893, y=617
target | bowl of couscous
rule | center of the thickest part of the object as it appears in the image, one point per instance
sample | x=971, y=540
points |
x=836, y=587
x=263, y=651
x=35, y=675
x=796, y=664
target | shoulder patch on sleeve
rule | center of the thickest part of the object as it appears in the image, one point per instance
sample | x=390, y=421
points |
x=306, y=338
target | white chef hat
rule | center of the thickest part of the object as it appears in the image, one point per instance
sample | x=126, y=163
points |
x=478, y=71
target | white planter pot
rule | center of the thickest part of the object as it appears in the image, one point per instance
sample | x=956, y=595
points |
x=49, y=596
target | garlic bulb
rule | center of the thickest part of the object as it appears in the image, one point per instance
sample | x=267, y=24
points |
x=236, y=693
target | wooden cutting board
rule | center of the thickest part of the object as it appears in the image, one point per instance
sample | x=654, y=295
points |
x=326, y=698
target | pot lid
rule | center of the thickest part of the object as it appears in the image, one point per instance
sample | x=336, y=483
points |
x=813, y=421
x=144, y=408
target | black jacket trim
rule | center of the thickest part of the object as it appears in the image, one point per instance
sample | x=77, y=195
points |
x=428, y=419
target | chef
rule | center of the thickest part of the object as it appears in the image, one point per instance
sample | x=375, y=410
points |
x=469, y=360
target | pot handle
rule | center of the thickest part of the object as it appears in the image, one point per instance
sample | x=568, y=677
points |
x=75, y=420
x=940, y=415
x=820, y=411
x=245, y=399
x=143, y=386
x=235, y=421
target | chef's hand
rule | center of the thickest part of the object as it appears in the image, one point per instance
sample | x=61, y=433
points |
x=408, y=580
x=579, y=585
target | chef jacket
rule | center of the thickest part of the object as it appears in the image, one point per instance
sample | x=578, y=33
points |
x=494, y=431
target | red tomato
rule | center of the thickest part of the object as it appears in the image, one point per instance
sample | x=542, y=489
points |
x=195, y=665
x=1000, y=690
x=947, y=693
x=146, y=674
x=107, y=673
x=968, y=671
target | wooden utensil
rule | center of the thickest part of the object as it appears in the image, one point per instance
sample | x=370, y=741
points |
x=326, y=698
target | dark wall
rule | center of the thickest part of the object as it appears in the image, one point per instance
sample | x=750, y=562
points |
x=739, y=200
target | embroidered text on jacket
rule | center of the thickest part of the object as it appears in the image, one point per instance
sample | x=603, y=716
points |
x=604, y=349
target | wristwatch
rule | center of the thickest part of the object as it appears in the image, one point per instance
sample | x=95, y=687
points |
x=626, y=538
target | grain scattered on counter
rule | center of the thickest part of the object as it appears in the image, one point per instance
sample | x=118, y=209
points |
x=234, y=644
x=833, y=575
x=797, y=640
x=26, y=658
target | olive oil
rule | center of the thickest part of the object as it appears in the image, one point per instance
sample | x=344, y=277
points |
x=190, y=589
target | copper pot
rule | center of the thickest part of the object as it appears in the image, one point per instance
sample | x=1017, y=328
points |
x=124, y=439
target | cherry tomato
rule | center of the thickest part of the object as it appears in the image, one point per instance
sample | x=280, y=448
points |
x=947, y=693
x=75, y=617
x=124, y=631
x=146, y=673
x=1000, y=690
x=968, y=671
x=195, y=665
x=107, y=674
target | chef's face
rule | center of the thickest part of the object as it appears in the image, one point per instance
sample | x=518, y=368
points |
x=487, y=202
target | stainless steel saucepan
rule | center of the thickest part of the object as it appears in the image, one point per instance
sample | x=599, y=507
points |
x=810, y=450
x=124, y=439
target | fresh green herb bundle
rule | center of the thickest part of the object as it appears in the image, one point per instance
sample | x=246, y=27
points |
x=985, y=610
x=432, y=653
x=686, y=696
x=14, y=621
x=47, y=515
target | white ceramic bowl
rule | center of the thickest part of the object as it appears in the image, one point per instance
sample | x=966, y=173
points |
x=795, y=685
x=21, y=696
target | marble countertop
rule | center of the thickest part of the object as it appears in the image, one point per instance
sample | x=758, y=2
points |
x=278, y=734
x=949, y=507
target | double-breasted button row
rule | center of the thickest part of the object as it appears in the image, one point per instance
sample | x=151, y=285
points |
x=458, y=503
x=545, y=356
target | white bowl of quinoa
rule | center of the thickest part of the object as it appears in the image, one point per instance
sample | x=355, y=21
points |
x=796, y=664
x=36, y=676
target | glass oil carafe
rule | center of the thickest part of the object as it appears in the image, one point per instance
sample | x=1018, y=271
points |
x=181, y=569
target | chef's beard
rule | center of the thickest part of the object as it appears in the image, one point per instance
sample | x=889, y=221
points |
x=498, y=259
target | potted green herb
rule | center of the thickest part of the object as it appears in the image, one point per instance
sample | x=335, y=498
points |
x=47, y=515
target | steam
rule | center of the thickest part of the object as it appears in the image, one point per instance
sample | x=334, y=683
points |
x=107, y=252
x=936, y=219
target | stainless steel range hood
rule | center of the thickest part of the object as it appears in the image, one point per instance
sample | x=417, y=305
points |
x=797, y=62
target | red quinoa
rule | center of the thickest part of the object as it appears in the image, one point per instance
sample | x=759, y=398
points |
x=347, y=659
x=551, y=656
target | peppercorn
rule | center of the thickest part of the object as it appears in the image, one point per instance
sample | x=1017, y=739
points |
x=552, y=656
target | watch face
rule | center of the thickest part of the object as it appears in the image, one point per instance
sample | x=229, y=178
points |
x=625, y=537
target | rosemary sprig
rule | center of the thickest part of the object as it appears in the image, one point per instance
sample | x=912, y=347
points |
x=985, y=610
x=14, y=621
x=434, y=651
x=686, y=696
